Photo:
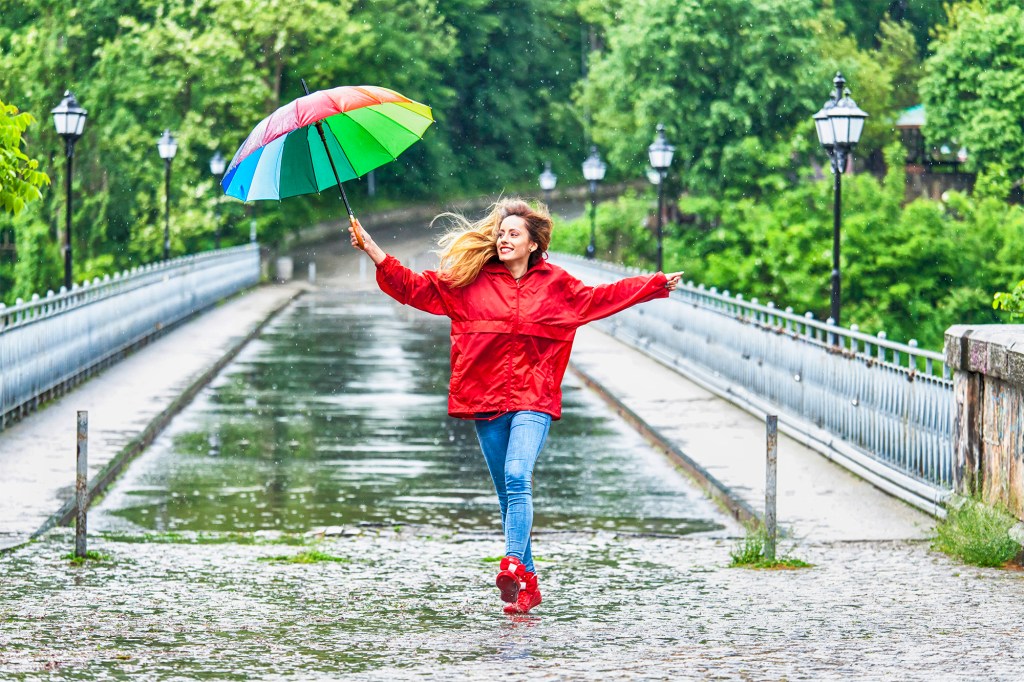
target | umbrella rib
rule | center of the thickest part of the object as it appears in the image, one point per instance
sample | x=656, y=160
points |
x=397, y=123
x=344, y=153
x=374, y=138
x=312, y=166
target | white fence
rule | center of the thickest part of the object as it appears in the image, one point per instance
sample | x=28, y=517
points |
x=48, y=344
x=882, y=409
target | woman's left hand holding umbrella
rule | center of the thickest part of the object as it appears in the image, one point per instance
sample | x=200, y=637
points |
x=375, y=253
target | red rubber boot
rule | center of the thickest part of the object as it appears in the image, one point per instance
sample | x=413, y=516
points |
x=510, y=578
x=529, y=595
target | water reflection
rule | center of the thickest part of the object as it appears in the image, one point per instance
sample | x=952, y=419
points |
x=336, y=416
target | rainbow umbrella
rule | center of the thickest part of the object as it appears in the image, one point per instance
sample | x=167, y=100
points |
x=323, y=139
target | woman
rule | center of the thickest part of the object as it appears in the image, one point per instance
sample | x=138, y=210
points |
x=514, y=316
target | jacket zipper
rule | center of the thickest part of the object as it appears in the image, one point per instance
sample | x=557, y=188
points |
x=512, y=352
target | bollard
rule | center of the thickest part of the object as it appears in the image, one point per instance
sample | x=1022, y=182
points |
x=772, y=422
x=312, y=272
x=81, y=480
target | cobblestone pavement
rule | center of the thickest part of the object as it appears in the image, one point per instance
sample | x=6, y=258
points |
x=418, y=604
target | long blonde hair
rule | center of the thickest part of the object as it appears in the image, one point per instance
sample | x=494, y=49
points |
x=468, y=246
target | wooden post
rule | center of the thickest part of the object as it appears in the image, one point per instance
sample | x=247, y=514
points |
x=770, y=487
x=81, y=481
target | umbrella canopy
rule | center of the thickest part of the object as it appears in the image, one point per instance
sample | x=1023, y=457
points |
x=362, y=127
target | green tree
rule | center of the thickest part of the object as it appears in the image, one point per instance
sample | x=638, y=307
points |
x=511, y=76
x=1011, y=301
x=498, y=76
x=20, y=178
x=973, y=89
x=865, y=18
x=729, y=78
x=39, y=267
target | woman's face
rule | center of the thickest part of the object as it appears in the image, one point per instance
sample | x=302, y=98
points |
x=514, y=243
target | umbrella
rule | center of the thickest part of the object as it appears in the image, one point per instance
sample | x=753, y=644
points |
x=323, y=139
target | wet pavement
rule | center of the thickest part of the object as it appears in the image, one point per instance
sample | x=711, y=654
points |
x=336, y=415
x=416, y=604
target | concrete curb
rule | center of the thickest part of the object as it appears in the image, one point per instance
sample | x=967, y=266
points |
x=737, y=507
x=101, y=481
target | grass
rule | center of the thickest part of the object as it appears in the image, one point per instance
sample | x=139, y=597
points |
x=750, y=553
x=90, y=555
x=310, y=556
x=977, y=533
x=201, y=538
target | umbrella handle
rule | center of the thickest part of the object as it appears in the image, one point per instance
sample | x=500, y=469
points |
x=355, y=229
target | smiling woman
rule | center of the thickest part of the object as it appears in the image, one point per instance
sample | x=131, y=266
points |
x=514, y=316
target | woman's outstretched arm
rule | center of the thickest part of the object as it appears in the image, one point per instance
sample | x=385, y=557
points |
x=421, y=291
x=594, y=303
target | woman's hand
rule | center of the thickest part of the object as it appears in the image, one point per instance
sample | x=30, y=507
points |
x=673, y=280
x=369, y=246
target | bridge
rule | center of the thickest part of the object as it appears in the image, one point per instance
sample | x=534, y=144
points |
x=313, y=413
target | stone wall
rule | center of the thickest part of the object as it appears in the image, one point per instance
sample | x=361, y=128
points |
x=988, y=424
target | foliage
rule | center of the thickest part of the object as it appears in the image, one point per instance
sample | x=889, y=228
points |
x=728, y=78
x=864, y=18
x=513, y=68
x=911, y=270
x=39, y=266
x=750, y=553
x=977, y=534
x=209, y=70
x=973, y=89
x=622, y=231
x=310, y=556
x=739, y=112
x=1011, y=301
x=20, y=178
x=898, y=56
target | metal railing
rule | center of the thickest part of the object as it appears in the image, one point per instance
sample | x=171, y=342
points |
x=50, y=343
x=882, y=409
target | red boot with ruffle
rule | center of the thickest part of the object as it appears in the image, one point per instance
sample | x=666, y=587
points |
x=510, y=577
x=529, y=595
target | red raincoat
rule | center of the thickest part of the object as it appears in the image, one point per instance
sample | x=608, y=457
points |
x=511, y=340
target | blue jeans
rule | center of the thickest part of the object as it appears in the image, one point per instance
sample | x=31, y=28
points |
x=511, y=444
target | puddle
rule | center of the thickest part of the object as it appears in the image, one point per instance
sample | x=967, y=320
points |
x=336, y=415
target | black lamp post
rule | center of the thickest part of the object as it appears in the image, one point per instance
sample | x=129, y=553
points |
x=548, y=180
x=660, y=155
x=217, y=164
x=69, y=120
x=168, y=147
x=839, y=125
x=593, y=170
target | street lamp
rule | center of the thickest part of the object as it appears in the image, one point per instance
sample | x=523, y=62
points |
x=168, y=147
x=653, y=176
x=217, y=164
x=548, y=180
x=660, y=155
x=593, y=171
x=839, y=125
x=69, y=120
